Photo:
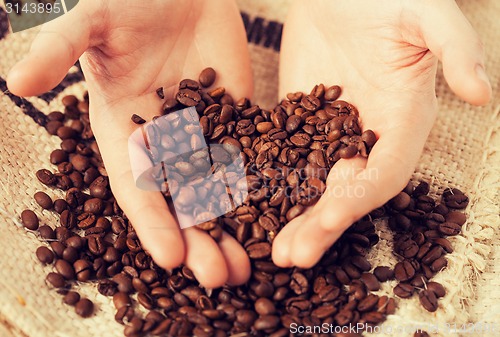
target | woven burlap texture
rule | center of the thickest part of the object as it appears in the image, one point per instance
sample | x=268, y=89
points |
x=462, y=151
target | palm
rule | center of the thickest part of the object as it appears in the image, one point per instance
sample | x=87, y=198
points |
x=376, y=52
x=131, y=49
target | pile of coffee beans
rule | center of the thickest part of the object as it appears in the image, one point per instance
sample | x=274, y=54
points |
x=287, y=153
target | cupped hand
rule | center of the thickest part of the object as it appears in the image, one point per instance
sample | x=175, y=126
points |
x=384, y=55
x=127, y=50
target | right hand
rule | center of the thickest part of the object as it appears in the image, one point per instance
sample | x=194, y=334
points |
x=128, y=49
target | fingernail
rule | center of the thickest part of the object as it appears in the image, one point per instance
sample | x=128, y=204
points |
x=481, y=73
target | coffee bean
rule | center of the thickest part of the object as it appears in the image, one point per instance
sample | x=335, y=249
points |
x=432, y=255
x=259, y=250
x=428, y=300
x=45, y=177
x=56, y=280
x=84, y=308
x=70, y=254
x=310, y=103
x=301, y=139
x=332, y=93
x=348, y=152
x=299, y=283
x=66, y=132
x=71, y=298
x=439, y=264
x=64, y=268
x=421, y=333
x=449, y=228
x=188, y=97
x=370, y=281
x=207, y=77
x=121, y=299
x=266, y=322
x=46, y=232
x=436, y=288
x=368, y=303
x=403, y=290
x=29, y=219
x=45, y=255
x=383, y=273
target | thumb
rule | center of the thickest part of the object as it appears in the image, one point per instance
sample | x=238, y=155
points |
x=450, y=36
x=355, y=187
x=55, y=49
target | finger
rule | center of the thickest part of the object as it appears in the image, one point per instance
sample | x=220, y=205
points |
x=283, y=242
x=56, y=48
x=147, y=210
x=452, y=39
x=237, y=261
x=204, y=258
x=356, y=187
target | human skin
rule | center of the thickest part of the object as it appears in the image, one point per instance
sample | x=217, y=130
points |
x=384, y=55
x=128, y=49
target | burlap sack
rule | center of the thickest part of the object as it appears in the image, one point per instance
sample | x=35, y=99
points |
x=462, y=151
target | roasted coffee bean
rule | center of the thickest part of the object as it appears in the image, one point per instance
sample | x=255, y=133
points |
x=421, y=333
x=70, y=254
x=96, y=245
x=400, y=201
x=404, y=271
x=449, y=228
x=428, y=300
x=370, y=281
x=188, y=97
x=332, y=93
x=456, y=217
x=383, y=273
x=137, y=119
x=403, y=290
x=83, y=270
x=266, y=322
x=60, y=205
x=299, y=283
x=348, y=152
x=58, y=156
x=207, y=77
x=29, y=219
x=56, y=280
x=45, y=177
x=439, y=264
x=84, y=308
x=436, y=288
x=145, y=300
x=121, y=299
x=65, y=269
x=45, y=255
x=46, y=233
x=259, y=250
x=71, y=298
x=432, y=255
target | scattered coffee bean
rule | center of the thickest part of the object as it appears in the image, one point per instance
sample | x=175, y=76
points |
x=29, y=219
x=45, y=255
x=84, y=307
x=207, y=77
x=288, y=152
x=71, y=298
x=137, y=119
x=421, y=333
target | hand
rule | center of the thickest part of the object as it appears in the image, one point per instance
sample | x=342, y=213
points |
x=129, y=50
x=384, y=55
